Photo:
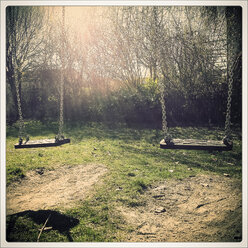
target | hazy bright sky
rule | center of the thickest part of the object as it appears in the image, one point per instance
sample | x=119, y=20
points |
x=77, y=18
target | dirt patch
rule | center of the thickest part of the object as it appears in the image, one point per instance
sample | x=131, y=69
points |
x=195, y=209
x=44, y=189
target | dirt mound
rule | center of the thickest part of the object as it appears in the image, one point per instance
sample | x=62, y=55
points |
x=195, y=209
x=44, y=189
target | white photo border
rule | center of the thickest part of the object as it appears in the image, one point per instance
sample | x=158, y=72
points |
x=4, y=4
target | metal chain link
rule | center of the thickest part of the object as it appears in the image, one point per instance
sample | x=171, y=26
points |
x=21, y=127
x=230, y=77
x=229, y=100
x=22, y=130
x=61, y=106
x=233, y=62
x=167, y=137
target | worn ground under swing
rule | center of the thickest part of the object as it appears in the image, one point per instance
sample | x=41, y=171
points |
x=195, y=209
x=47, y=189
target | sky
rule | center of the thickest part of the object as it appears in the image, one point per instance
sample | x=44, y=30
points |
x=77, y=18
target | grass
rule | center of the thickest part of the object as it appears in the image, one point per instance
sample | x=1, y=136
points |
x=134, y=160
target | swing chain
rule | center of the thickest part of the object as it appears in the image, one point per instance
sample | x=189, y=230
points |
x=22, y=130
x=229, y=99
x=233, y=62
x=167, y=137
x=61, y=115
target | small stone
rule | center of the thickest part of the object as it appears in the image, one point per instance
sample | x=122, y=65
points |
x=204, y=185
x=40, y=171
x=93, y=154
x=226, y=175
x=171, y=171
x=131, y=174
x=158, y=196
x=160, y=210
x=160, y=188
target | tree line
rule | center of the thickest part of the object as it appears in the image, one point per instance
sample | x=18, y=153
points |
x=114, y=66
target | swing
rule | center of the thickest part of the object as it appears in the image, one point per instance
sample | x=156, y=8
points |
x=193, y=144
x=59, y=139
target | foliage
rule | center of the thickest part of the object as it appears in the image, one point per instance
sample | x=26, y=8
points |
x=111, y=74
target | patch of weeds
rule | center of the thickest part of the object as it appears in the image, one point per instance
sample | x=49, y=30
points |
x=135, y=203
x=97, y=223
x=131, y=201
x=21, y=229
x=25, y=226
x=87, y=234
x=15, y=173
x=140, y=185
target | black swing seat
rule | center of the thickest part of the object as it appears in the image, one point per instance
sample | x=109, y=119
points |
x=42, y=143
x=194, y=144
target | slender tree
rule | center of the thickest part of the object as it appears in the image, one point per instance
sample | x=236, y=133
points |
x=23, y=44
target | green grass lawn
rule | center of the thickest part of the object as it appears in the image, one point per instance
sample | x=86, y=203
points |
x=134, y=161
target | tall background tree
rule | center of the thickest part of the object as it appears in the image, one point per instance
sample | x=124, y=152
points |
x=23, y=46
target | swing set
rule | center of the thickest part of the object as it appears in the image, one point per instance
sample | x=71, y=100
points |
x=194, y=144
x=166, y=143
x=59, y=139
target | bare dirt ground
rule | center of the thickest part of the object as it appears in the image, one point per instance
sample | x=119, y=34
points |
x=44, y=189
x=195, y=209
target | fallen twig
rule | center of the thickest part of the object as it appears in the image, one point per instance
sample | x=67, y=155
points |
x=203, y=204
x=43, y=228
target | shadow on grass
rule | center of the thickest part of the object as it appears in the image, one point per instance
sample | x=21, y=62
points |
x=231, y=225
x=101, y=131
x=33, y=128
x=145, y=141
x=56, y=221
x=228, y=162
x=79, y=131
